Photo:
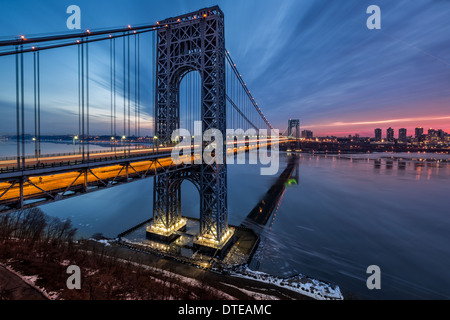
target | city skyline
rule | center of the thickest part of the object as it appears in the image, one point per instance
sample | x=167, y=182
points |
x=303, y=132
x=435, y=123
x=382, y=133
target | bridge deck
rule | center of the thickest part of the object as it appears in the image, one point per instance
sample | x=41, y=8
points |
x=32, y=162
x=59, y=177
x=57, y=186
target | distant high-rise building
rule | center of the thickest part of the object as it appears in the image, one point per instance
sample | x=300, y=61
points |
x=378, y=134
x=390, y=134
x=419, y=132
x=402, y=135
x=307, y=134
x=432, y=133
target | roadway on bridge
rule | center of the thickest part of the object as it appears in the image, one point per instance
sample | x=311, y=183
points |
x=60, y=182
x=79, y=157
x=45, y=186
x=61, y=158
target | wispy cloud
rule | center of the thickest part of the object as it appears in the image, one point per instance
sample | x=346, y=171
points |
x=312, y=59
x=386, y=121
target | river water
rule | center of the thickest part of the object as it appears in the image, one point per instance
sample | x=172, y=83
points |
x=8, y=148
x=345, y=214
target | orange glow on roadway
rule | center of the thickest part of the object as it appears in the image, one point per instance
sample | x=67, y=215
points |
x=60, y=182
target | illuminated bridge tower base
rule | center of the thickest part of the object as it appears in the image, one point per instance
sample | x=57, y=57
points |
x=192, y=42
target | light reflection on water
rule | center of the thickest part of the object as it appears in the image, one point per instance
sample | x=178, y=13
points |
x=345, y=214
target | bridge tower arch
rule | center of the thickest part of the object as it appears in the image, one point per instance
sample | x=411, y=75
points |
x=192, y=42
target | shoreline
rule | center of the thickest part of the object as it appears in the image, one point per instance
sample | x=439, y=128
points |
x=221, y=286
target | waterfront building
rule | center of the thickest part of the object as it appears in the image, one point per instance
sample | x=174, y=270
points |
x=378, y=134
x=390, y=134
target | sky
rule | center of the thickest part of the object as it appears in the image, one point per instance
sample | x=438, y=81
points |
x=313, y=60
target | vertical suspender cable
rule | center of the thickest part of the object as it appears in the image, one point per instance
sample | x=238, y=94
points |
x=114, y=93
x=239, y=103
x=226, y=92
x=154, y=81
x=235, y=111
x=111, y=90
x=139, y=84
x=129, y=97
x=17, y=109
x=135, y=86
x=186, y=102
x=82, y=101
x=195, y=88
x=189, y=101
x=79, y=98
x=182, y=116
x=231, y=107
x=232, y=92
x=124, y=95
x=194, y=97
x=183, y=120
x=190, y=113
x=233, y=97
x=192, y=91
x=197, y=95
x=22, y=106
x=185, y=106
x=87, y=96
x=230, y=80
x=39, y=104
x=192, y=106
x=35, y=104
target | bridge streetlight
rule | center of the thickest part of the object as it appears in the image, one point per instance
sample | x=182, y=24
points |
x=35, y=147
x=155, y=140
x=113, y=144
x=124, y=151
x=74, y=138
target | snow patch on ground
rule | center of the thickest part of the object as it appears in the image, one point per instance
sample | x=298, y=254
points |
x=103, y=241
x=31, y=280
x=315, y=289
x=254, y=295
x=91, y=272
x=181, y=279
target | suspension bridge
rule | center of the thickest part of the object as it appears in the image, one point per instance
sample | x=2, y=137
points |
x=158, y=78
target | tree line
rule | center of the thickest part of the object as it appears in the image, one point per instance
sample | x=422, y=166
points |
x=35, y=226
x=33, y=243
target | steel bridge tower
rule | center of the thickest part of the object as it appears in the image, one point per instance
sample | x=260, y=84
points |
x=192, y=42
x=293, y=125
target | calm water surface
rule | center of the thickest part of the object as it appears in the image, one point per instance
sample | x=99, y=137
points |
x=345, y=214
x=8, y=148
